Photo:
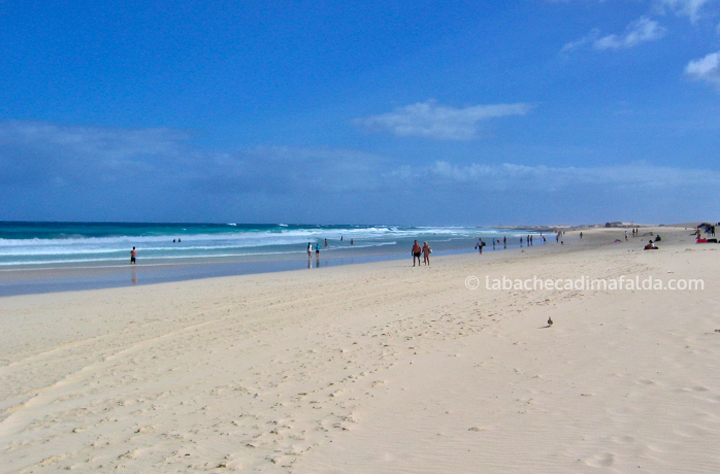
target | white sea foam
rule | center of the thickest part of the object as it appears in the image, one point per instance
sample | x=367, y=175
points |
x=284, y=240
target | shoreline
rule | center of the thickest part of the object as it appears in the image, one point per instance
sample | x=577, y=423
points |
x=45, y=279
x=27, y=280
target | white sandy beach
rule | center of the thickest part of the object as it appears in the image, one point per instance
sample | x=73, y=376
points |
x=376, y=368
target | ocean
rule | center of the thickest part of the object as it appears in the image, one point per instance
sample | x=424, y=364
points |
x=187, y=251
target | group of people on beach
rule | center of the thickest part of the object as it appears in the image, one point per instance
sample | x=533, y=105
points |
x=316, y=247
x=528, y=240
x=425, y=250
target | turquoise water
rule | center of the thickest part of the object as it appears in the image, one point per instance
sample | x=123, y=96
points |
x=31, y=244
x=41, y=257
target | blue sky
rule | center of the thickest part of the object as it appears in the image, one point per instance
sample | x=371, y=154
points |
x=420, y=113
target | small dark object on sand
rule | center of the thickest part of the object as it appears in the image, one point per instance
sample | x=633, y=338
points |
x=550, y=322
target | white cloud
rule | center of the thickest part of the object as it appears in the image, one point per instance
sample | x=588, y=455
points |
x=573, y=45
x=431, y=120
x=45, y=155
x=637, y=32
x=705, y=69
x=689, y=8
x=508, y=177
x=62, y=153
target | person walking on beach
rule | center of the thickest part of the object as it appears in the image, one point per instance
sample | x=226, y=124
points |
x=505, y=241
x=480, y=245
x=416, y=250
x=309, y=250
x=426, y=253
x=133, y=254
x=317, y=249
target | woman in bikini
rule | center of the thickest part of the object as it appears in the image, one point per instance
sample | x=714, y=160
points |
x=426, y=253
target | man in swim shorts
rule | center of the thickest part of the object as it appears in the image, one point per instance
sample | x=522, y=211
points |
x=133, y=254
x=416, y=251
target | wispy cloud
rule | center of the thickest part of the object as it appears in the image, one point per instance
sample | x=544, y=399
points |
x=508, y=177
x=689, y=8
x=44, y=155
x=62, y=171
x=442, y=122
x=290, y=170
x=40, y=155
x=705, y=69
x=637, y=32
x=37, y=151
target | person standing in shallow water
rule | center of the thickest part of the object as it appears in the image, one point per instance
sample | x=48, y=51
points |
x=416, y=250
x=133, y=254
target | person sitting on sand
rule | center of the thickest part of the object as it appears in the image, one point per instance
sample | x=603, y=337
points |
x=426, y=253
x=651, y=246
x=416, y=250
